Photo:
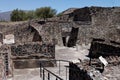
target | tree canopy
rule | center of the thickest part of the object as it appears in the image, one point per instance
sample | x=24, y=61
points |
x=18, y=15
x=30, y=15
x=43, y=12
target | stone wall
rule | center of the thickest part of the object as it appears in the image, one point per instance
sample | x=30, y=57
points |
x=100, y=47
x=75, y=73
x=82, y=14
x=5, y=53
x=33, y=49
x=105, y=22
x=2, y=68
x=25, y=55
x=98, y=22
x=22, y=32
x=93, y=22
x=50, y=31
x=28, y=54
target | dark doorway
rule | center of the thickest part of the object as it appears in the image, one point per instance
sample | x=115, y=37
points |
x=1, y=37
x=73, y=37
x=64, y=41
x=37, y=37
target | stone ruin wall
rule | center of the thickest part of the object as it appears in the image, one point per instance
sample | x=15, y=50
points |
x=27, y=42
x=29, y=55
x=105, y=23
x=85, y=34
x=52, y=33
x=98, y=23
x=25, y=55
x=22, y=32
x=7, y=61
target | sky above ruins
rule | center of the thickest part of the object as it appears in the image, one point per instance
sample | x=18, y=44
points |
x=59, y=5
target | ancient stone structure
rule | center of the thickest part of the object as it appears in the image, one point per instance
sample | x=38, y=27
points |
x=84, y=23
x=22, y=32
x=83, y=71
x=94, y=68
x=96, y=22
x=90, y=22
x=101, y=47
x=35, y=40
x=3, y=71
x=29, y=55
x=28, y=47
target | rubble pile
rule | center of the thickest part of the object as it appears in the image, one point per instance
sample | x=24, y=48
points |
x=94, y=72
x=104, y=63
x=112, y=73
x=110, y=50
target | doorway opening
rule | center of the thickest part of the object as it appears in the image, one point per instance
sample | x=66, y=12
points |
x=73, y=37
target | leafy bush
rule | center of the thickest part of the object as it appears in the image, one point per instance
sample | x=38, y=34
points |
x=43, y=12
x=18, y=15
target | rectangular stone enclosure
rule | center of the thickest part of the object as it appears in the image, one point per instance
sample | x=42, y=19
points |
x=29, y=55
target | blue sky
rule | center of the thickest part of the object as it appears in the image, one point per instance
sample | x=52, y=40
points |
x=59, y=5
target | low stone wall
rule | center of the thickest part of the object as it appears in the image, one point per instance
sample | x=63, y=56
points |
x=104, y=48
x=31, y=63
x=33, y=49
x=29, y=55
x=75, y=73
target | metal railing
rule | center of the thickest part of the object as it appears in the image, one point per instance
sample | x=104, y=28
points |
x=44, y=69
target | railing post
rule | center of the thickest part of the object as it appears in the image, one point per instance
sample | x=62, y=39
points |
x=40, y=70
x=56, y=79
x=43, y=75
x=48, y=76
x=59, y=67
x=66, y=73
x=43, y=70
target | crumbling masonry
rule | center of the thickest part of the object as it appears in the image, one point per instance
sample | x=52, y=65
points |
x=31, y=41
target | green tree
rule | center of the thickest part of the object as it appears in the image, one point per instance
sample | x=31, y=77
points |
x=30, y=15
x=45, y=12
x=18, y=15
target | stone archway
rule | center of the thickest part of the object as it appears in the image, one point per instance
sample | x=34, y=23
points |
x=36, y=36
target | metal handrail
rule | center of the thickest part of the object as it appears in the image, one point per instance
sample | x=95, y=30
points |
x=49, y=72
x=52, y=73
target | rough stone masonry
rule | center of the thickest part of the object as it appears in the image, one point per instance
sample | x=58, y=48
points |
x=74, y=26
